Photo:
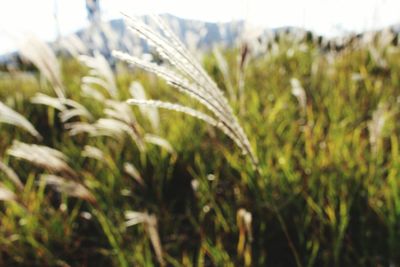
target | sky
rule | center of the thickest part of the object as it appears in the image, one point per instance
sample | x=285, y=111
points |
x=330, y=17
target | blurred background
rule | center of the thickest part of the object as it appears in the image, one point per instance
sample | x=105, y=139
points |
x=48, y=19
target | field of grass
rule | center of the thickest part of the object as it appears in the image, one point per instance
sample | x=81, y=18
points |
x=324, y=126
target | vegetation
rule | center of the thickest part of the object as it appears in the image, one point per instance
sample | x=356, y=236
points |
x=88, y=180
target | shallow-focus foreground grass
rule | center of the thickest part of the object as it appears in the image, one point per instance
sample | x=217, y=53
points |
x=324, y=126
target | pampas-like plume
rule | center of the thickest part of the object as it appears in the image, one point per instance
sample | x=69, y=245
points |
x=68, y=187
x=375, y=126
x=41, y=55
x=130, y=169
x=54, y=102
x=188, y=77
x=76, y=109
x=93, y=152
x=97, y=154
x=137, y=91
x=9, y=116
x=75, y=128
x=150, y=223
x=299, y=92
x=74, y=45
x=188, y=111
x=244, y=221
x=89, y=91
x=116, y=129
x=159, y=141
x=120, y=111
x=11, y=175
x=41, y=156
x=6, y=194
x=175, y=107
x=68, y=107
x=113, y=128
x=100, y=73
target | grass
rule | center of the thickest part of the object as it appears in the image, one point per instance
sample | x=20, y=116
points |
x=326, y=193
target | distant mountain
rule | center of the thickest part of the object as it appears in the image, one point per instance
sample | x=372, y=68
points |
x=200, y=35
x=196, y=35
x=115, y=35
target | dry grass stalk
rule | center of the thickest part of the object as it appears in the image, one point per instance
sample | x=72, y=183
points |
x=120, y=111
x=117, y=129
x=76, y=110
x=137, y=91
x=299, y=92
x=11, y=175
x=6, y=194
x=131, y=170
x=74, y=45
x=188, y=111
x=159, y=141
x=97, y=154
x=100, y=73
x=68, y=107
x=375, y=126
x=75, y=128
x=54, y=102
x=244, y=221
x=89, y=91
x=71, y=188
x=41, y=55
x=109, y=127
x=150, y=223
x=9, y=116
x=93, y=152
x=41, y=156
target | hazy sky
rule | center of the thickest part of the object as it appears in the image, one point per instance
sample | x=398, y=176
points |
x=20, y=17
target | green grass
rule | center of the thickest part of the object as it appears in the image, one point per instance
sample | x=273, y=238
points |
x=324, y=196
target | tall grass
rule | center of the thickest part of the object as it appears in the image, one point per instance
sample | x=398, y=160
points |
x=104, y=187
